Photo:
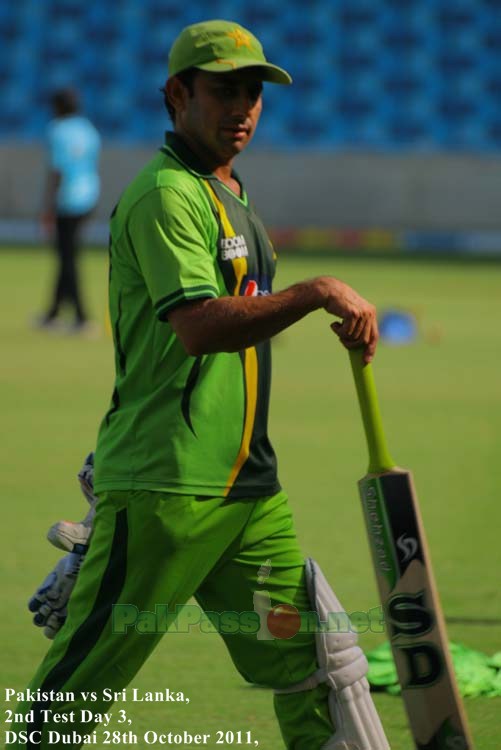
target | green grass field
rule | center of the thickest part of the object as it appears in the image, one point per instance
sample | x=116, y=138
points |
x=441, y=403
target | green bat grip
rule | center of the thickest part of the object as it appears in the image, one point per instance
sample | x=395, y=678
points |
x=379, y=456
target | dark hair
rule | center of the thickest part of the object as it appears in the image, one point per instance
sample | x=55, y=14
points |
x=187, y=78
x=65, y=102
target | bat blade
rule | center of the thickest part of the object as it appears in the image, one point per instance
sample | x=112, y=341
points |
x=412, y=610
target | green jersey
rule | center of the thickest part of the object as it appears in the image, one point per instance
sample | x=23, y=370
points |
x=178, y=423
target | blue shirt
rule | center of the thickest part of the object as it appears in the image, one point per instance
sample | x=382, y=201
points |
x=74, y=146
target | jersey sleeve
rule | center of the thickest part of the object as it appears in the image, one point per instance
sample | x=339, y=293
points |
x=172, y=236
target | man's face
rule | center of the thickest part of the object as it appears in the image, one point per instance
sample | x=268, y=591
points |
x=220, y=117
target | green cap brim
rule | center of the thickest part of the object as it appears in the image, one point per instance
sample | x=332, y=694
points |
x=270, y=73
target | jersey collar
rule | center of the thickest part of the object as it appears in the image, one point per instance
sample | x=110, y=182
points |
x=176, y=147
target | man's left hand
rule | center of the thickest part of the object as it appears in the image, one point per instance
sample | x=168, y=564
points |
x=50, y=600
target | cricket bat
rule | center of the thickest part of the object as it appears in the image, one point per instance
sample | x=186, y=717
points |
x=411, y=605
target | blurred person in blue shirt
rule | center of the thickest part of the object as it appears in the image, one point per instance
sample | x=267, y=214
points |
x=72, y=192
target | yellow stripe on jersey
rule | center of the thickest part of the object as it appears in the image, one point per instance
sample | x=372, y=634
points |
x=239, y=264
x=250, y=368
x=240, y=268
x=250, y=354
x=226, y=223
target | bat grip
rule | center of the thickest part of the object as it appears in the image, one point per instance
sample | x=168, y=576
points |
x=379, y=456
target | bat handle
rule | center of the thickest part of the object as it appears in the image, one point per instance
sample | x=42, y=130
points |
x=379, y=456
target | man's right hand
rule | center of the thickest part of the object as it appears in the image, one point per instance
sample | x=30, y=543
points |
x=358, y=327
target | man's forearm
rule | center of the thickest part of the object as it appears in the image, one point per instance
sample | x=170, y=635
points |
x=234, y=323
x=230, y=324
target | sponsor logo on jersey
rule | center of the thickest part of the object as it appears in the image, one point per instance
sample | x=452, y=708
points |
x=252, y=289
x=255, y=287
x=234, y=247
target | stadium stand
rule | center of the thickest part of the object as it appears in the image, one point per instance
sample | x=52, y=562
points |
x=420, y=74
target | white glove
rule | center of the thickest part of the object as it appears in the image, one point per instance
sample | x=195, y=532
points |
x=51, y=598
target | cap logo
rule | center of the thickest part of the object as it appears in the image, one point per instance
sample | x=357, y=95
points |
x=241, y=38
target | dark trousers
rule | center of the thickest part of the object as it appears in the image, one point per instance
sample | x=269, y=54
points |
x=67, y=287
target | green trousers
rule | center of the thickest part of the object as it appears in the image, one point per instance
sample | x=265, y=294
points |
x=151, y=548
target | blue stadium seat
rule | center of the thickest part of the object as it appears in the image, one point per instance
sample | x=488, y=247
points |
x=493, y=134
x=159, y=8
x=63, y=35
x=259, y=16
x=6, y=13
x=364, y=83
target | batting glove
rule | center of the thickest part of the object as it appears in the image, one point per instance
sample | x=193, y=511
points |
x=49, y=603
